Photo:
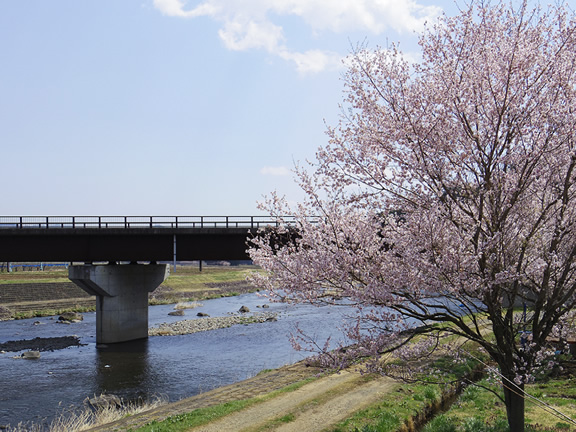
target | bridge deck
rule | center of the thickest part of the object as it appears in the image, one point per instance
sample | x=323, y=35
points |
x=127, y=238
x=105, y=222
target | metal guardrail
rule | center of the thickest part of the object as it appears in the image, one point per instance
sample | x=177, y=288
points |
x=104, y=222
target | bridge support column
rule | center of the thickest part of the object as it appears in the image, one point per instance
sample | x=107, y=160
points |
x=121, y=297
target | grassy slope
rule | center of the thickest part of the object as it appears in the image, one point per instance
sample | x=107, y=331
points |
x=26, y=277
x=185, y=277
x=479, y=411
x=192, y=279
x=187, y=283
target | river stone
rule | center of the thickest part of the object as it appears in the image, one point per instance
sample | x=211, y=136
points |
x=179, y=312
x=244, y=309
x=31, y=355
x=202, y=314
x=265, y=306
x=71, y=317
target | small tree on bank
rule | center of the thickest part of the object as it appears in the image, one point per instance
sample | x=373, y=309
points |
x=446, y=194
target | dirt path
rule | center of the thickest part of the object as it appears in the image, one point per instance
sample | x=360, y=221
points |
x=313, y=407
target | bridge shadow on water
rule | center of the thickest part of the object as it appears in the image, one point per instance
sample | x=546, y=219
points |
x=123, y=365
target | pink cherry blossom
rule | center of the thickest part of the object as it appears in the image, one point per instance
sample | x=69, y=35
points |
x=446, y=190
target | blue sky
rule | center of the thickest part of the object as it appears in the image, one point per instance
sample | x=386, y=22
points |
x=168, y=107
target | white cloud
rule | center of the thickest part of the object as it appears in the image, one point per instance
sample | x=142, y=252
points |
x=275, y=171
x=312, y=61
x=241, y=36
x=254, y=24
x=374, y=16
x=177, y=8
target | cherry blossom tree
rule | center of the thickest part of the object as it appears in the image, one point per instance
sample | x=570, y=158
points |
x=445, y=198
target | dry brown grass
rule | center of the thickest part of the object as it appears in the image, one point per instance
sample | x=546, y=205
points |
x=87, y=418
x=187, y=305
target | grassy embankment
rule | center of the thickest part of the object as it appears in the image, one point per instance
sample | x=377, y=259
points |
x=187, y=283
x=404, y=409
x=476, y=409
x=26, y=277
x=410, y=405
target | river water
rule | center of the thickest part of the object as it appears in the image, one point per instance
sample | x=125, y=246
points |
x=174, y=367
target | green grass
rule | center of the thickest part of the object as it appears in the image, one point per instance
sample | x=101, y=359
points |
x=478, y=410
x=396, y=408
x=388, y=421
x=403, y=406
x=191, y=279
x=440, y=423
x=201, y=416
x=29, y=280
x=273, y=424
x=23, y=277
x=185, y=277
x=182, y=422
x=51, y=312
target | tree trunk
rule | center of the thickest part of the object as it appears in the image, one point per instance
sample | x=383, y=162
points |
x=514, y=406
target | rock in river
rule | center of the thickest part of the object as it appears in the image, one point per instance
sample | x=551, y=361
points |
x=31, y=355
x=70, y=317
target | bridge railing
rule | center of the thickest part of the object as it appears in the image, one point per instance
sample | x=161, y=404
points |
x=103, y=222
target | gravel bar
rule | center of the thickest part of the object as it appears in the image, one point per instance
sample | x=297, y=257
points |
x=208, y=323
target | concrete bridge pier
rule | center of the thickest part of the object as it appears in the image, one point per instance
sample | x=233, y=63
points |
x=121, y=297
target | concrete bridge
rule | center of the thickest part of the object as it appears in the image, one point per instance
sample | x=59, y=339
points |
x=96, y=246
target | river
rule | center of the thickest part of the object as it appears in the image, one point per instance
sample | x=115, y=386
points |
x=174, y=367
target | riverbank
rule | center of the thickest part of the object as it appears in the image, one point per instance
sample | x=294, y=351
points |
x=181, y=327
x=301, y=397
x=261, y=385
x=295, y=398
x=29, y=294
